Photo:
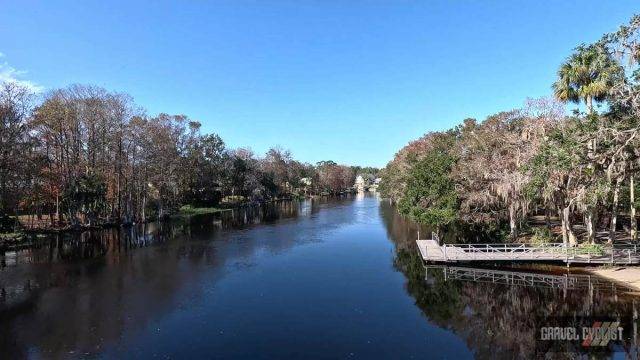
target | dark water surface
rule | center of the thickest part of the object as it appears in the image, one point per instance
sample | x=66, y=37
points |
x=322, y=279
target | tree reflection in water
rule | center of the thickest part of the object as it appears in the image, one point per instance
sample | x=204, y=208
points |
x=100, y=292
x=504, y=321
x=45, y=302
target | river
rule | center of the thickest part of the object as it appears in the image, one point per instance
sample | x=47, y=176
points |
x=335, y=278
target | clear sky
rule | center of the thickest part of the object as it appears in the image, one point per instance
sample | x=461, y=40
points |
x=349, y=81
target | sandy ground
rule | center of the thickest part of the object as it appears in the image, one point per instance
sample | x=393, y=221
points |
x=629, y=276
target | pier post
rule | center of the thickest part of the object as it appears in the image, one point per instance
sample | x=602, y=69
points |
x=611, y=254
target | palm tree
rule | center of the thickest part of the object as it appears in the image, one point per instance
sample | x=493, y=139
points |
x=587, y=75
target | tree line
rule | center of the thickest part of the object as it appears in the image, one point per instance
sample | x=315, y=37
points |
x=580, y=168
x=83, y=155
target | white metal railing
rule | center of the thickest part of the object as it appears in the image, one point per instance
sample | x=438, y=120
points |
x=619, y=253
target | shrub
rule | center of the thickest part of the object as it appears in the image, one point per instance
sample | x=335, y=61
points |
x=542, y=235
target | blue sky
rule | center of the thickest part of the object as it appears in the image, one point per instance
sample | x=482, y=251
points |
x=349, y=81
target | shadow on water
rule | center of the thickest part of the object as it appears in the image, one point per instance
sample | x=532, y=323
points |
x=83, y=290
x=500, y=312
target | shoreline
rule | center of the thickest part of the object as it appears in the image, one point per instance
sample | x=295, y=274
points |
x=181, y=213
x=625, y=275
x=27, y=238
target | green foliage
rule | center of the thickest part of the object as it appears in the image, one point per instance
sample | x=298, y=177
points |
x=542, y=235
x=496, y=231
x=587, y=75
x=366, y=170
x=204, y=162
x=592, y=249
x=86, y=195
x=188, y=210
x=391, y=182
x=522, y=162
x=560, y=153
x=430, y=197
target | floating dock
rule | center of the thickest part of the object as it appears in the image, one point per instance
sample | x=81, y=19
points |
x=619, y=254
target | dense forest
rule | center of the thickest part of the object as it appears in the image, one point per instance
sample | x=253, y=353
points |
x=577, y=172
x=82, y=155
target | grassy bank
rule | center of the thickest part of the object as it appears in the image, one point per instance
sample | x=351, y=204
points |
x=188, y=210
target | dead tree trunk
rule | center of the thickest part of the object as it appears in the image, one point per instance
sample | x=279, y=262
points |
x=513, y=224
x=614, y=210
x=590, y=224
x=632, y=210
x=563, y=227
x=566, y=219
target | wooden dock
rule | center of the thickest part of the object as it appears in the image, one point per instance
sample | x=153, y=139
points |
x=431, y=251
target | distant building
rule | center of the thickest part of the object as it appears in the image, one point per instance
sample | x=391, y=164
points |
x=361, y=184
x=306, y=184
x=376, y=183
x=305, y=181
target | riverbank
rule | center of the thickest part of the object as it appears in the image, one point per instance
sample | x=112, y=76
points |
x=25, y=237
x=29, y=237
x=626, y=275
x=186, y=211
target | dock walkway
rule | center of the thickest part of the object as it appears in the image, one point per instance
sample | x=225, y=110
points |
x=431, y=251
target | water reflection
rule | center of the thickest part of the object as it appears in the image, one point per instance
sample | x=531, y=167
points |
x=500, y=312
x=323, y=279
x=70, y=247
x=80, y=291
x=512, y=277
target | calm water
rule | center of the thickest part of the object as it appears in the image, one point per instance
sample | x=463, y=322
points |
x=322, y=279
